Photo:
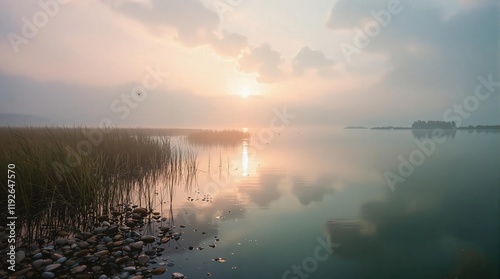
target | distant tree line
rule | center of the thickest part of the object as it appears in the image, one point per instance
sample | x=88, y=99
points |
x=432, y=124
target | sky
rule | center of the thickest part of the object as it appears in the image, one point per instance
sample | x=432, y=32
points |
x=235, y=63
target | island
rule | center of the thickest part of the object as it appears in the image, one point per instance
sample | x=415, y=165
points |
x=434, y=124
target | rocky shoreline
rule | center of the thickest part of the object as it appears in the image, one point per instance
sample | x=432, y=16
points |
x=118, y=247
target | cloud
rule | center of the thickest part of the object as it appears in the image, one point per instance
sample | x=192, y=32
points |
x=311, y=59
x=193, y=23
x=346, y=14
x=264, y=61
x=229, y=44
x=313, y=192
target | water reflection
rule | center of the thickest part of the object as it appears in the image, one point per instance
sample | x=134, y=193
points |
x=440, y=223
x=433, y=133
x=244, y=159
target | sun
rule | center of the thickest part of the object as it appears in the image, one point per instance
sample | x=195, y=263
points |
x=244, y=92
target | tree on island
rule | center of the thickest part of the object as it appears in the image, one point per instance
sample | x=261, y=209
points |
x=431, y=124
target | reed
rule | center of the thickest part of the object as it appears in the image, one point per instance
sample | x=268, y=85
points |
x=65, y=176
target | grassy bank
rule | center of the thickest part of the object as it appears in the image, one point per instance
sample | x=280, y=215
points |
x=65, y=176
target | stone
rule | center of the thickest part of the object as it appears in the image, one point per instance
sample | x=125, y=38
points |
x=51, y=267
x=158, y=271
x=148, y=238
x=79, y=269
x=20, y=256
x=48, y=275
x=137, y=245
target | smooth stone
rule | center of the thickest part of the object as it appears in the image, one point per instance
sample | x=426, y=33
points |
x=78, y=269
x=137, y=245
x=136, y=216
x=107, y=239
x=81, y=253
x=127, y=248
x=48, y=275
x=100, y=247
x=48, y=248
x=142, y=211
x=37, y=256
x=177, y=275
x=129, y=240
x=119, y=253
x=118, y=237
x=37, y=263
x=148, y=238
x=83, y=244
x=129, y=269
x=142, y=259
x=56, y=256
x=52, y=266
x=61, y=260
x=20, y=256
x=101, y=253
x=103, y=277
x=112, y=230
x=96, y=268
x=121, y=261
x=159, y=270
x=70, y=262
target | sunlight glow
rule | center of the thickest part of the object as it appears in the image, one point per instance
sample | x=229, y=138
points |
x=245, y=92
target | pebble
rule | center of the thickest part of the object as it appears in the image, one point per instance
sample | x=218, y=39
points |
x=79, y=269
x=148, y=238
x=20, y=256
x=48, y=275
x=142, y=259
x=52, y=267
x=137, y=245
x=159, y=270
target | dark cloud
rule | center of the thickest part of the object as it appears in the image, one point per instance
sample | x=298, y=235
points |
x=434, y=62
x=264, y=61
x=311, y=59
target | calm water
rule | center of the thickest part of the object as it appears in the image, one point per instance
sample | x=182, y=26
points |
x=316, y=204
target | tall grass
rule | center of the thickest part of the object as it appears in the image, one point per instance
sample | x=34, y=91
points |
x=65, y=176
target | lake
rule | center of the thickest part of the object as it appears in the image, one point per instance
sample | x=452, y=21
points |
x=316, y=203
